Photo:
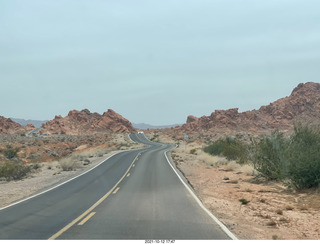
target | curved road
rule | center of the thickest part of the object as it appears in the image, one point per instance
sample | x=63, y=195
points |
x=134, y=194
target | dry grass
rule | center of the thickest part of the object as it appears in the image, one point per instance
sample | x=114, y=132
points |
x=76, y=160
x=217, y=161
x=67, y=164
x=210, y=160
x=194, y=154
x=289, y=207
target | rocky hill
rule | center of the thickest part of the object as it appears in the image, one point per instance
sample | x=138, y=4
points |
x=8, y=126
x=303, y=105
x=85, y=122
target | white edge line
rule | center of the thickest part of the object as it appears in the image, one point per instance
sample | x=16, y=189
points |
x=25, y=199
x=130, y=138
x=222, y=226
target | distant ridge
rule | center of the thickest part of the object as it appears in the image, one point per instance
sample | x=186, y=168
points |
x=24, y=122
x=143, y=126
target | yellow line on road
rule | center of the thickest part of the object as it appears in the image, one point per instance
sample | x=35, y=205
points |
x=115, y=191
x=87, y=218
x=64, y=229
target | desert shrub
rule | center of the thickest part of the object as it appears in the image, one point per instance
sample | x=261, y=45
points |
x=14, y=171
x=214, y=148
x=230, y=148
x=296, y=159
x=68, y=164
x=244, y=201
x=304, y=157
x=10, y=152
x=269, y=156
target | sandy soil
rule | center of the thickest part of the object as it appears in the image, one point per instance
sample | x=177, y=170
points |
x=273, y=212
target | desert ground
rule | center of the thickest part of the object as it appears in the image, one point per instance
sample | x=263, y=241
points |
x=268, y=210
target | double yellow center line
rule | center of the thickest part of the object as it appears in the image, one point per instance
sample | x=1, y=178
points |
x=87, y=218
x=86, y=213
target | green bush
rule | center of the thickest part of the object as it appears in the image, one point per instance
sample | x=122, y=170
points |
x=304, y=157
x=215, y=148
x=14, y=171
x=296, y=158
x=10, y=152
x=244, y=201
x=230, y=148
x=269, y=156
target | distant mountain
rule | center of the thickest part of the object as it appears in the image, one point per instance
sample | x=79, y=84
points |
x=143, y=126
x=24, y=122
x=85, y=122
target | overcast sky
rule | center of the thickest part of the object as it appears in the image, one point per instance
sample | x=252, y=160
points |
x=153, y=61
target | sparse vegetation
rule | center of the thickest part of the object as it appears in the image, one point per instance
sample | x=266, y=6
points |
x=155, y=138
x=68, y=164
x=14, y=171
x=269, y=156
x=294, y=160
x=289, y=207
x=244, y=201
x=230, y=148
x=10, y=152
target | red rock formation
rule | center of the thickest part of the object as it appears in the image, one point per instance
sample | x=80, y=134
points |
x=8, y=126
x=85, y=122
x=303, y=105
x=30, y=127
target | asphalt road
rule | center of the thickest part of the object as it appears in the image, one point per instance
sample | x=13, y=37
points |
x=132, y=195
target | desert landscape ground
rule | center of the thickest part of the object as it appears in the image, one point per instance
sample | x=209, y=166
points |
x=273, y=211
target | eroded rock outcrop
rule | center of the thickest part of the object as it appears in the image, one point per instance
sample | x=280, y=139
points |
x=303, y=105
x=8, y=126
x=85, y=122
